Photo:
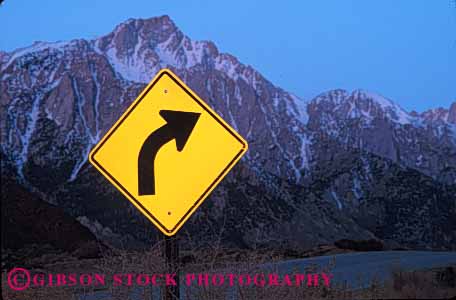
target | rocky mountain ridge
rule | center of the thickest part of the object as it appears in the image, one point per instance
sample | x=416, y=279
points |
x=58, y=99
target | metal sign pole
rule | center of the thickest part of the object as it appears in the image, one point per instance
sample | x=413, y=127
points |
x=171, y=254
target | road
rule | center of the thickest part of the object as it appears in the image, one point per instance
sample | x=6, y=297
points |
x=354, y=269
x=362, y=267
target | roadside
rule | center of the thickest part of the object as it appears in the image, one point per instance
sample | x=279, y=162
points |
x=399, y=280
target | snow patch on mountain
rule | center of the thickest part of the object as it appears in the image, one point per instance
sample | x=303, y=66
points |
x=301, y=107
x=357, y=190
x=364, y=105
x=305, y=153
x=36, y=47
x=194, y=52
x=336, y=199
x=91, y=139
x=227, y=64
x=393, y=110
x=131, y=68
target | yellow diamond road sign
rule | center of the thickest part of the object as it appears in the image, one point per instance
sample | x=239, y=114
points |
x=167, y=152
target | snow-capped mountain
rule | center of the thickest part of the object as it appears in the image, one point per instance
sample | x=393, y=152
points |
x=368, y=121
x=314, y=172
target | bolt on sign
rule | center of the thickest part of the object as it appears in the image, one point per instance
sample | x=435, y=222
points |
x=167, y=152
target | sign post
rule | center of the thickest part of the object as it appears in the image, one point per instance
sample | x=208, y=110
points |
x=167, y=153
x=171, y=255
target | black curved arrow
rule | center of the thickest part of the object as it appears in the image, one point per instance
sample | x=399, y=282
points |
x=179, y=125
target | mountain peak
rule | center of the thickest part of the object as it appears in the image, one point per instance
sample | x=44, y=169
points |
x=129, y=33
x=436, y=114
x=138, y=48
x=334, y=97
x=440, y=114
x=361, y=103
x=154, y=24
x=380, y=99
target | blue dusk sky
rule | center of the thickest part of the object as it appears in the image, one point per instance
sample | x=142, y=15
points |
x=404, y=50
